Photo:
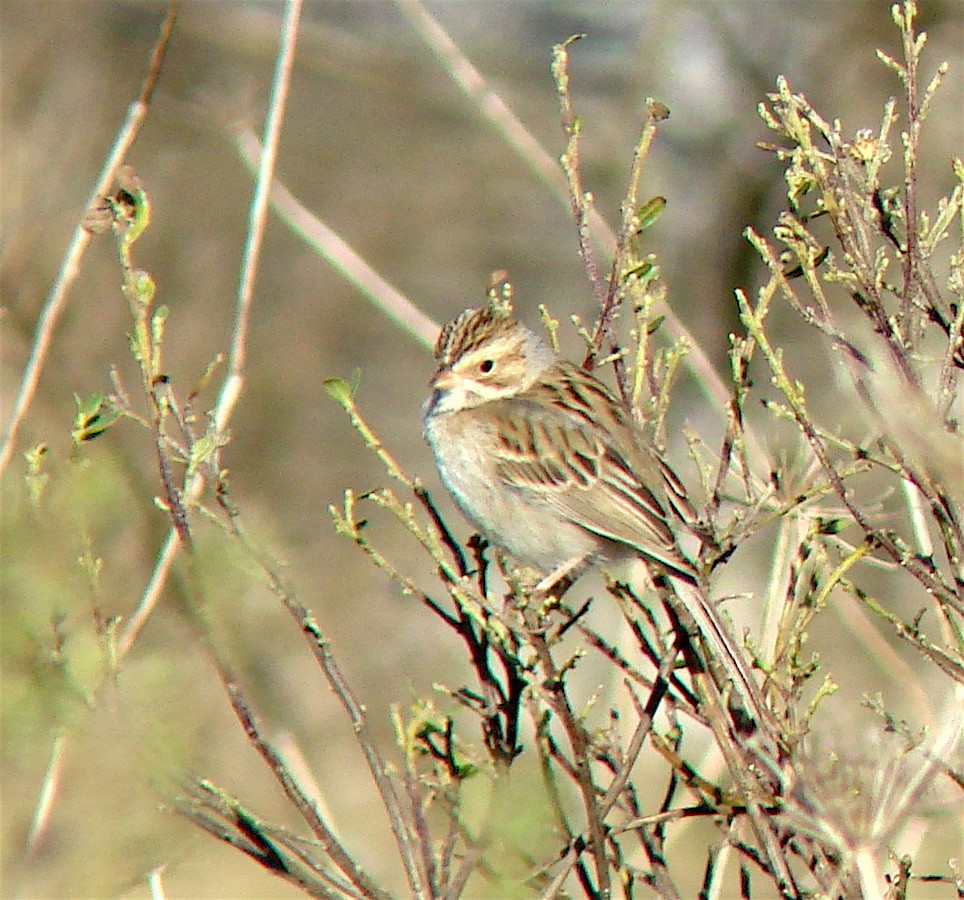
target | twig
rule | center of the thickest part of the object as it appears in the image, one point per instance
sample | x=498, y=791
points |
x=471, y=81
x=305, y=805
x=912, y=261
x=284, y=855
x=580, y=202
x=231, y=389
x=641, y=732
x=70, y=266
x=342, y=256
x=581, y=744
x=151, y=595
x=359, y=721
x=656, y=112
x=498, y=112
x=45, y=802
x=753, y=318
x=258, y=214
x=356, y=712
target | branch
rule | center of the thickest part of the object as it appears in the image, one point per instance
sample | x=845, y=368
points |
x=70, y=266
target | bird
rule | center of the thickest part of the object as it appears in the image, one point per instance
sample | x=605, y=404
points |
x=547, y=464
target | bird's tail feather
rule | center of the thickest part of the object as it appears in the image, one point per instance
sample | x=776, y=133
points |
x=724, y=659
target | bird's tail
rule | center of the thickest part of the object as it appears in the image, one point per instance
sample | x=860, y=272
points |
x=722, y=658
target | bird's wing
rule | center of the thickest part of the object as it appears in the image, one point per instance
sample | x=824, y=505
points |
x=568, y=463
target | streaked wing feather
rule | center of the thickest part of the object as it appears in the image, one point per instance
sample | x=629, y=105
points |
x=562, y=461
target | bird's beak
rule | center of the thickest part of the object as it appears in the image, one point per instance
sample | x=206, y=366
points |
x=444, y=380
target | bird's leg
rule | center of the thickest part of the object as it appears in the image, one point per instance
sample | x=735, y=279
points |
x=560, y=579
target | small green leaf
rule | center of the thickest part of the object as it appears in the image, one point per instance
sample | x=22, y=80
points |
x=355, y=382
x=649, y=212
x=831, y=526
x=340, y=391
x=91, y=420
x=133, y=203
x=640, y=271
x=88, y=408
x=799, y=182
x=797, y=270
x=202, y=450
x=654, y=323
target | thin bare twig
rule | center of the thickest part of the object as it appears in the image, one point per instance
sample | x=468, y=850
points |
x=151, y=594
x=45, y=803
x=498, y=112
x=342, y=256
x=359, y=721
x=70, y=266
x=558, y=699
x=305, y=804
x=258, y=213
x=53, y=308
x=231, y=389
x=580, y=202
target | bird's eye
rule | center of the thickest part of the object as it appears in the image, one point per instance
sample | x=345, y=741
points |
x=486, y=366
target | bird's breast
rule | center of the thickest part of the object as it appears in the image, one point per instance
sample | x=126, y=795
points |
x=465, y=448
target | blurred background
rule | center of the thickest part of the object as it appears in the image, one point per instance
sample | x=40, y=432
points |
x=379, y=143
